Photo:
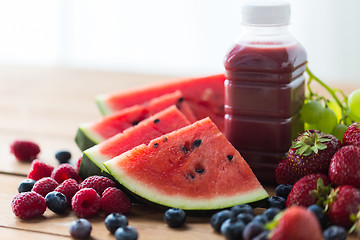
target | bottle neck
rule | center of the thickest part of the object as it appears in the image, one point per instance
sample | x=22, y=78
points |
x=267, y=34
x=266, y=30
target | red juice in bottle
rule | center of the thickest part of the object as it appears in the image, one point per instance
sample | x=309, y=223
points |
x=264, y=89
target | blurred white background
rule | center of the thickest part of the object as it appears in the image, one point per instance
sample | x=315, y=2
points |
x=176, y=37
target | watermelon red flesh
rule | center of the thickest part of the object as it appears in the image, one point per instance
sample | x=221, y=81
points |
x=95, y=132
x=163, y=122
x=118, y=122
x=204, y=92
x=173, y=171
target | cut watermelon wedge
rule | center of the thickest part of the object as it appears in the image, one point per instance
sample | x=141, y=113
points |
x=92, y=133
x=163, y=122
x=192, y=168
x=201, y=93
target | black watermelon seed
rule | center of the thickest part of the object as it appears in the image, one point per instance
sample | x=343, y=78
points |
x=165, y=139
x=199, y=170
x=156, y=145
x=180, y=100
x=157, y=120
x=178, y=107
x=183, y=148
x=197, y=143
x=191, y=176
x=230, y=157
x=135, y=123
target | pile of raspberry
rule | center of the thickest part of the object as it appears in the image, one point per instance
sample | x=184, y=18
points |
x=61, y=189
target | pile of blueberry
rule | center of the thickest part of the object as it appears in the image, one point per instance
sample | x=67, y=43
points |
x=240, y=222
x=116, y=223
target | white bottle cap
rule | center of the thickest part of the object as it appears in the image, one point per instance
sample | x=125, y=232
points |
x=266, y=12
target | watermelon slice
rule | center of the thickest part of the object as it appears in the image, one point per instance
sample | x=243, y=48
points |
x=163, y=122
x=92, y=133
x=193, y=168
x=205, y=96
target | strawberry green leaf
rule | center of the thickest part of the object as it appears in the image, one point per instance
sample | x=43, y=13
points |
x=304, y=150
x=315, y=149
x=321, y=146
x=324, y=140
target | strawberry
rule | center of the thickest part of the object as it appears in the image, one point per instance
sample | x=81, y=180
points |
x=345, y=166
x=310, y=152
x=309, y=190
x=343, y=202
x=352, y=135
x=296, y=223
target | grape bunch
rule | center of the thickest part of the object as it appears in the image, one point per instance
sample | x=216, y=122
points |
x=333, y=115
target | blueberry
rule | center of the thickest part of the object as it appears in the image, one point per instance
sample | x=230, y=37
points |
x=335, y=233
x=126, y=233
x=115, y=220
x=277, y=202
x=232, y=229
x=242, y=208
x=56, y=202
x=245, y=217
x=175, y=217
x=63, y=156
x=270, y=213
x=320, y=215
x=252, y=230
x=80, y=228
x=218, y=218
x=262, y=219
x=283, y=190
x=26, y=185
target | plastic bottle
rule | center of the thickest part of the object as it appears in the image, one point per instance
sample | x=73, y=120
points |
x=264, y=89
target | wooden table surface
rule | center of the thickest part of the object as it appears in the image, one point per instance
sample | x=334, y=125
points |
x=46, y=105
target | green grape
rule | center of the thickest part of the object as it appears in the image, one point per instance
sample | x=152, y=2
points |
x=310, y=126
x=327, y=121
x=339, y=131
x=332, y=104
x=354, y=103
x=311, y=112
x=352, y=117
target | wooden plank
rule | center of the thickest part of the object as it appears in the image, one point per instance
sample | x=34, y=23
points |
x=49, y=144
x=55, y=100
x=18, y=233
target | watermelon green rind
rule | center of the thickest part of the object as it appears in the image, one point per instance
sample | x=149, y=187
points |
x=144, y=191
x=85, y=138
x=90, y=168
x=92, y=154
x=104, y=108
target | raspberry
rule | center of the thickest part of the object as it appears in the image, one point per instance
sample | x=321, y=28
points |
x=24, y=150
x=39, y=170
x=68, y=187
x=86, y=202
x=28, y=205
x=99, y=183
x=63, y=172
x=44, y=186
x=114, y=200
